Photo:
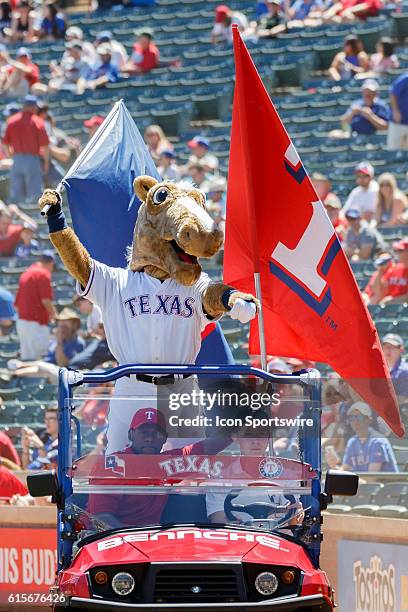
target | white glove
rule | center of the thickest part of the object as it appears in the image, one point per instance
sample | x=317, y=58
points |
x=243, y=311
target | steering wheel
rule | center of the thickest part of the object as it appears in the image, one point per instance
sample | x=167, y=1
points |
x=259, y=510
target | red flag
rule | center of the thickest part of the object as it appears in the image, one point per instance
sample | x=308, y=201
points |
x=277, y=226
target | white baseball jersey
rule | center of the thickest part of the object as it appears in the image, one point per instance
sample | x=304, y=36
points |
x=147, y=320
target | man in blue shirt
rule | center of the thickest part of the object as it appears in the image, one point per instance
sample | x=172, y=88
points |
x=105, y=72
x=368, y=450
x=66, y=343
x=368, y=114
x=302, y=8
x=398, y=127
x=7, y=312
x=393, y=347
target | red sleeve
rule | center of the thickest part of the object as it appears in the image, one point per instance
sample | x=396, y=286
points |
x=7, y=449
x=44, y=288
x=10, y=484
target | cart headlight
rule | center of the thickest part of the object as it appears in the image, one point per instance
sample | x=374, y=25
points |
x=266, y=583
x=123, y=583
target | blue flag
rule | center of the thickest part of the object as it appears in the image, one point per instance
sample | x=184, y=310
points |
x=104, y=208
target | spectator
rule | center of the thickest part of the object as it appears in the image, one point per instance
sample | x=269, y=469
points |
x=7, y=313
x=167, y=168
x=95, y=354
x=37, y=446
x=73, y=67
x=89, y=54
x=271, y=22
x=351, y=61
x=391, y=202
x=60, y=147
x=368, y=114
x=22, y=23
x=216, y=200
x=375, y=290
x=20, y=75
x=93, y=314
x=145, y=55
x=362, y=241
x=10, y=233
x=396, y=277
x=35, y=307
x=385, y=59
x=10, y=485
x=398, y=127
x=5, y=18
x=156, y=141
x=53, y=24
x=364, y=196
x=351, y=10
x=224, y=19
x=119, y=56
x=302, y=9
x=200, y=154
x=330, y=201
x=67, y=343
x=333, y=430
x=26, y=140
x=198, y=176
x=93, y=124
x=7, y=449
x=106, y=72
x=367, y=450
x=29, y=246
x=393, y=347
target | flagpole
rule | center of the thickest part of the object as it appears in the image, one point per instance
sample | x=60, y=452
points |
x=261, y=328
x=85, y=152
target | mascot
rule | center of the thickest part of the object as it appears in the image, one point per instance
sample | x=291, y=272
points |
x=153, y=311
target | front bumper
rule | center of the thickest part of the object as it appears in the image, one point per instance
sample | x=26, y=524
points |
x=312, y=603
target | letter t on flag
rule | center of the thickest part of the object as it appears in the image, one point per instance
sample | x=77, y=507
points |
x=277, y=226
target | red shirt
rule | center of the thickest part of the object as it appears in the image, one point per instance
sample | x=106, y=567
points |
x=26, y=133
x=34, y=286
x=145, y=59
x=31, y=77
x=10, y=484
x=7, y=448
x=396, y=280
x=373, y=7
x=9, y=242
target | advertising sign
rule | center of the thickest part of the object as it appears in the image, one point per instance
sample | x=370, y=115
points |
x=372, y=577
x=27, y=562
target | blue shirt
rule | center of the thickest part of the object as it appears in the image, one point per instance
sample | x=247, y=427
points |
x=399, y=375
x=361, y=125
x=302, y=8
x=24, y=250
x=108, y=70
x=48, y=27
x=70, y=347
x=399, y=89
x=376, y=449
x=7, y=310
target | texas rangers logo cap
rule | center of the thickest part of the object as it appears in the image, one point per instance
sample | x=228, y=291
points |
x=146, y=416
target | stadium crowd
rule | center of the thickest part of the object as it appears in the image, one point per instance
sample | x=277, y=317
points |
x=49, y=333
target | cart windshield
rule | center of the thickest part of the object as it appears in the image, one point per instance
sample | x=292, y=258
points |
x=198, y=451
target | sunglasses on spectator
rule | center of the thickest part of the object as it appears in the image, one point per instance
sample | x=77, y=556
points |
x=385, y=185
x=357, y=417
x=50, y=418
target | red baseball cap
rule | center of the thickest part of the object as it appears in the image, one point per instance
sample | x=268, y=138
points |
x=220, y=12
x=94, y=121
x=150, y=416
x=400, y=245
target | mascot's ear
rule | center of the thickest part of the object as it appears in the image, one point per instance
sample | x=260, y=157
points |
x=199, y=196
x=142, y=186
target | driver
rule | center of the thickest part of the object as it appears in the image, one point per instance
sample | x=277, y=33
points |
x=147, y=434
x=251, y=443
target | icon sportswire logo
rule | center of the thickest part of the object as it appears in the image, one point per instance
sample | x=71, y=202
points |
x=317, y=248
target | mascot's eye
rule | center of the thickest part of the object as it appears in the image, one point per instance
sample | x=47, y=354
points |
x=159, y=196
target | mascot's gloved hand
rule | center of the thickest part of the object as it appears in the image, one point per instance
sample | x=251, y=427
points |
x=241, y=306
x=243, y=311
x=55, y=216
